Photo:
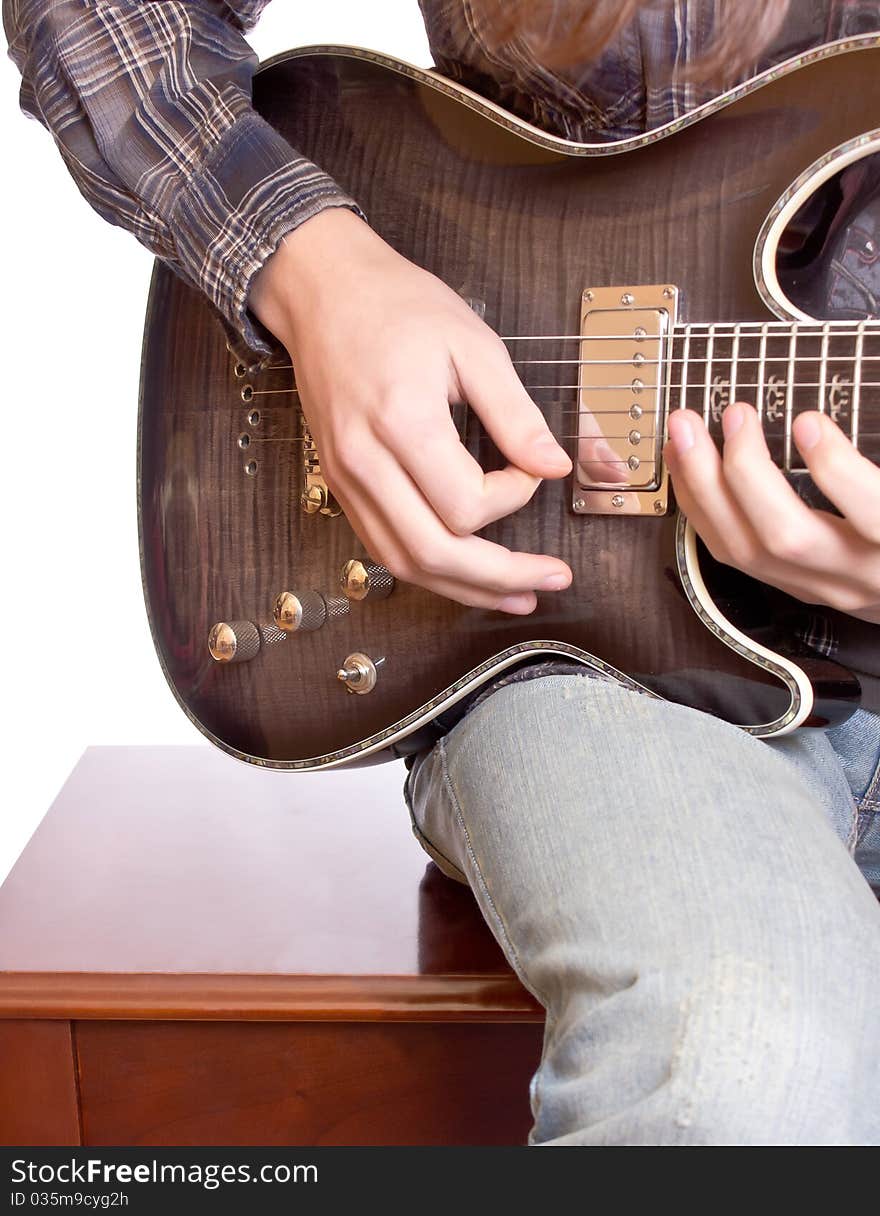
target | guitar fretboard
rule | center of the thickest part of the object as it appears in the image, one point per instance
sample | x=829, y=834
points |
x=783, y=369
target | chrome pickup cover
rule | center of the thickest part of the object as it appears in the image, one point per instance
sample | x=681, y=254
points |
x=623, y=386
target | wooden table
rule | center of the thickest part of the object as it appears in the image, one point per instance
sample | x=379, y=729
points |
x=193, y=951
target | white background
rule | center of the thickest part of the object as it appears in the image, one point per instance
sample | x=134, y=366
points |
x=78, y=666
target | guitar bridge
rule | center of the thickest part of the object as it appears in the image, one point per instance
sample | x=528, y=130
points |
x=623, y=388
x=316, y=497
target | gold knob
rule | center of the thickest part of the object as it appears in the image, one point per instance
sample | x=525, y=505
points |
x=233, y=641
x=361, y=579
x=358, y=673
x=305, y=611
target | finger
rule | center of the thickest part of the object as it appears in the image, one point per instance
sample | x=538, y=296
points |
x=494, y=391
x=384, y=547
x=703, y=493
x=715, y=512
x=404, y=529
x=452, y=481
x=787, y=529
x=844, y=476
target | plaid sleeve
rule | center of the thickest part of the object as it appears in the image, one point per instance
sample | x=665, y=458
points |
x=150, y=105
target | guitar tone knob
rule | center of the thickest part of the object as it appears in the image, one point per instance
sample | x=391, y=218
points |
x=305, y=611
x=234, y=641
x=361, y=579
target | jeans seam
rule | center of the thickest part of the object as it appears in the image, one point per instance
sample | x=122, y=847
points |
x=437, y=855
x=870, y=800
x=456, y=805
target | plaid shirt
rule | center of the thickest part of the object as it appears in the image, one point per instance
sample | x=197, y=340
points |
x=149, y=103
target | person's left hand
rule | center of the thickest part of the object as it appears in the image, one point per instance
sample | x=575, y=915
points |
x=748, y=515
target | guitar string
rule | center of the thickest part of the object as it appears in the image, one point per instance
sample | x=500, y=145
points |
x=486, y=438
x=696, y=386
x=785, y=334
x=692, y=360
x=748, y=329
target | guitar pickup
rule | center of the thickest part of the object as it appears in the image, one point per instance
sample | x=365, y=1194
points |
x=623, y=387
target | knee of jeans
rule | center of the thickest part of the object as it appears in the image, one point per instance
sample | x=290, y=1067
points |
x=759, y=1059
x=740, y=1057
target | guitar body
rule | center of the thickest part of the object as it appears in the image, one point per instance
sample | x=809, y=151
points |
x=519, y=224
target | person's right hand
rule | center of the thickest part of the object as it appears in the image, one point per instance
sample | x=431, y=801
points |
x=381, y=349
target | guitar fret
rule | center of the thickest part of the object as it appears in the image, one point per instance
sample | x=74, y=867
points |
x=685, y=356
x=857, y=384
x=823, y=369
x=789, y=395
x=734, y=359
x=707, y=383
x=762, y=361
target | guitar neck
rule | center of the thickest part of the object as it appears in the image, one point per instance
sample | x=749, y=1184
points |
x=783, y=368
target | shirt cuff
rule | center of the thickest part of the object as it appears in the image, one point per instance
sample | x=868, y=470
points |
x=250, y=189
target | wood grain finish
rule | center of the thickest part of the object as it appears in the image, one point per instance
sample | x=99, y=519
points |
x=306, y=1084
x=39, y=1103
x=522, y=230
x=472, y=997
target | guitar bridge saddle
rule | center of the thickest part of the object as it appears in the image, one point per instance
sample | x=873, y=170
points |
x=315, y=498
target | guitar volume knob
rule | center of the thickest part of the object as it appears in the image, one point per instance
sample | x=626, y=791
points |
x=361, y=579
x=234, y=641
x=305, y=611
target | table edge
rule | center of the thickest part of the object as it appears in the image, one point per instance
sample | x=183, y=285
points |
x=149, y=996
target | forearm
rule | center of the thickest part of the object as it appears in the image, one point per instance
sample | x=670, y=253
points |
x=150, y=105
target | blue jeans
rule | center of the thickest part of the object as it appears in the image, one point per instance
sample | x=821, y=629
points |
x=683, y=901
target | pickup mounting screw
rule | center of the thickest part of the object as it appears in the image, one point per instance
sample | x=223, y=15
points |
x=658, y=506
x=627, y=298
x=617, y=501
x=579, y=504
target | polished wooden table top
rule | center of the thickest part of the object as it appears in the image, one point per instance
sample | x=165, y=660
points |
x=175, y=882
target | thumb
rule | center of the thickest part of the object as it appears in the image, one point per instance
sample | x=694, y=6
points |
x=492, y=388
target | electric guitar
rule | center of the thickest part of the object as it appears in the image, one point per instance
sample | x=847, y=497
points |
x=628, y=280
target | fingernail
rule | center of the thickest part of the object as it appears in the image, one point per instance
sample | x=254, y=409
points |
x=808, y=431
x=731, y=420
x=520, y=604
x=554, y=582
x=549, y=451
x=681, y=431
